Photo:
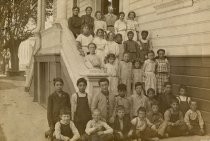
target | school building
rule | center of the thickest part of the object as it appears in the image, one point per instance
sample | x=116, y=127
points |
x=181, y=27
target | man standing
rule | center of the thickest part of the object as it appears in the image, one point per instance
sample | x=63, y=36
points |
x=104, y=101
x=110, y=19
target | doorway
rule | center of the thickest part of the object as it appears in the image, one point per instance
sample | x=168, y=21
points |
x=106, y=3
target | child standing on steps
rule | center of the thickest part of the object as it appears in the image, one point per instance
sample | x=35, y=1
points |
x=118, y=40
x=145, y=45
x=120, y=26
x=163, y=70
x=132, y=47
x=149, y=71
x=111, y=68
x=80, y=108
x=111, y=45
x=137, y=73
x=99, y=23
x=132, y=24
x=84, y=39
x=56, y=101
x=125, y=72
x=184, y=100
x=100, y=43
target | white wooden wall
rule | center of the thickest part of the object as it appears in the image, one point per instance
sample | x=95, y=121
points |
x=184, y=31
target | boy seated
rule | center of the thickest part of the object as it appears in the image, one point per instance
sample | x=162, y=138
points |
x=121, y=125
x=65, y=129
x=175, y=121
x=92, y=61
x=156, y=118
x=98, y=130
x=194, y=120
x=142, y=127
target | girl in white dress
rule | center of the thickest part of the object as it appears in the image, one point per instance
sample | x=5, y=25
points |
x=111, y=68
x=120, y=26
x=149, y=71
x=132, y=25
x=99, y=23
x=112, y=46
x=83, y=40
x=100, y=43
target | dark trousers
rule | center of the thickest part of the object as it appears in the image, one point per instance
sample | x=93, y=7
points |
x=105, y=137
x=145, y=134
x=117, y=137
x=175, y=131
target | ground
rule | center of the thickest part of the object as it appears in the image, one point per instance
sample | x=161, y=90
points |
x=21, y=119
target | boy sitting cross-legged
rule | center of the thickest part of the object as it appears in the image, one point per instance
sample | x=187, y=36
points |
x=194, y=120
x=142, y=128
x=65, y=130
x=121, y=125
x=175, y=121
x=97, y=129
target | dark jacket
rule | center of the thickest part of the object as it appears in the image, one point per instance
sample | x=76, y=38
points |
x=126, y=125
x=54, y=105
x=165, y=101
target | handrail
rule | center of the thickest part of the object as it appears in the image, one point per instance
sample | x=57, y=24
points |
x=73, y=61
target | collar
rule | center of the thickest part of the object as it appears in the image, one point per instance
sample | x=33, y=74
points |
x=143, y=41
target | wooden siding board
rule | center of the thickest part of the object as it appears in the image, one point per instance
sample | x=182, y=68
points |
x=195, y=92
x=190, y=61
x=196, y=38
x=175, y=20
x=202, y=82
x=198, y=27
x=192, y=71
x=206, y=117
x=204, y=105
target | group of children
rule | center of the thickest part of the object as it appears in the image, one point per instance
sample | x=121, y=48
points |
x=108, y=117
x=135, y=102
x=115, y=47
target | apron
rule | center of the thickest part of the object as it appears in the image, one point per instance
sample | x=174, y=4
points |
x=82, y=114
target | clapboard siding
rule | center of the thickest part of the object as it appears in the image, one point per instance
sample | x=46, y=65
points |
x=195, y=92
x=204, y=105
x=188, y=29
x=185, y=31
x=190, y=61
x=201, y=38
x=192, y=71
x=201, y=82
x=206, y=116
x=176, y=20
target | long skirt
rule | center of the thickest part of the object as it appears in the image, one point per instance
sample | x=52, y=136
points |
x=124, y=35
x=150, y=80
x=113, y=83
x=101, y=54
x=161, y=79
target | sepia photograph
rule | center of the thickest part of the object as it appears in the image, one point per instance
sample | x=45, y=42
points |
x=104, y=70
